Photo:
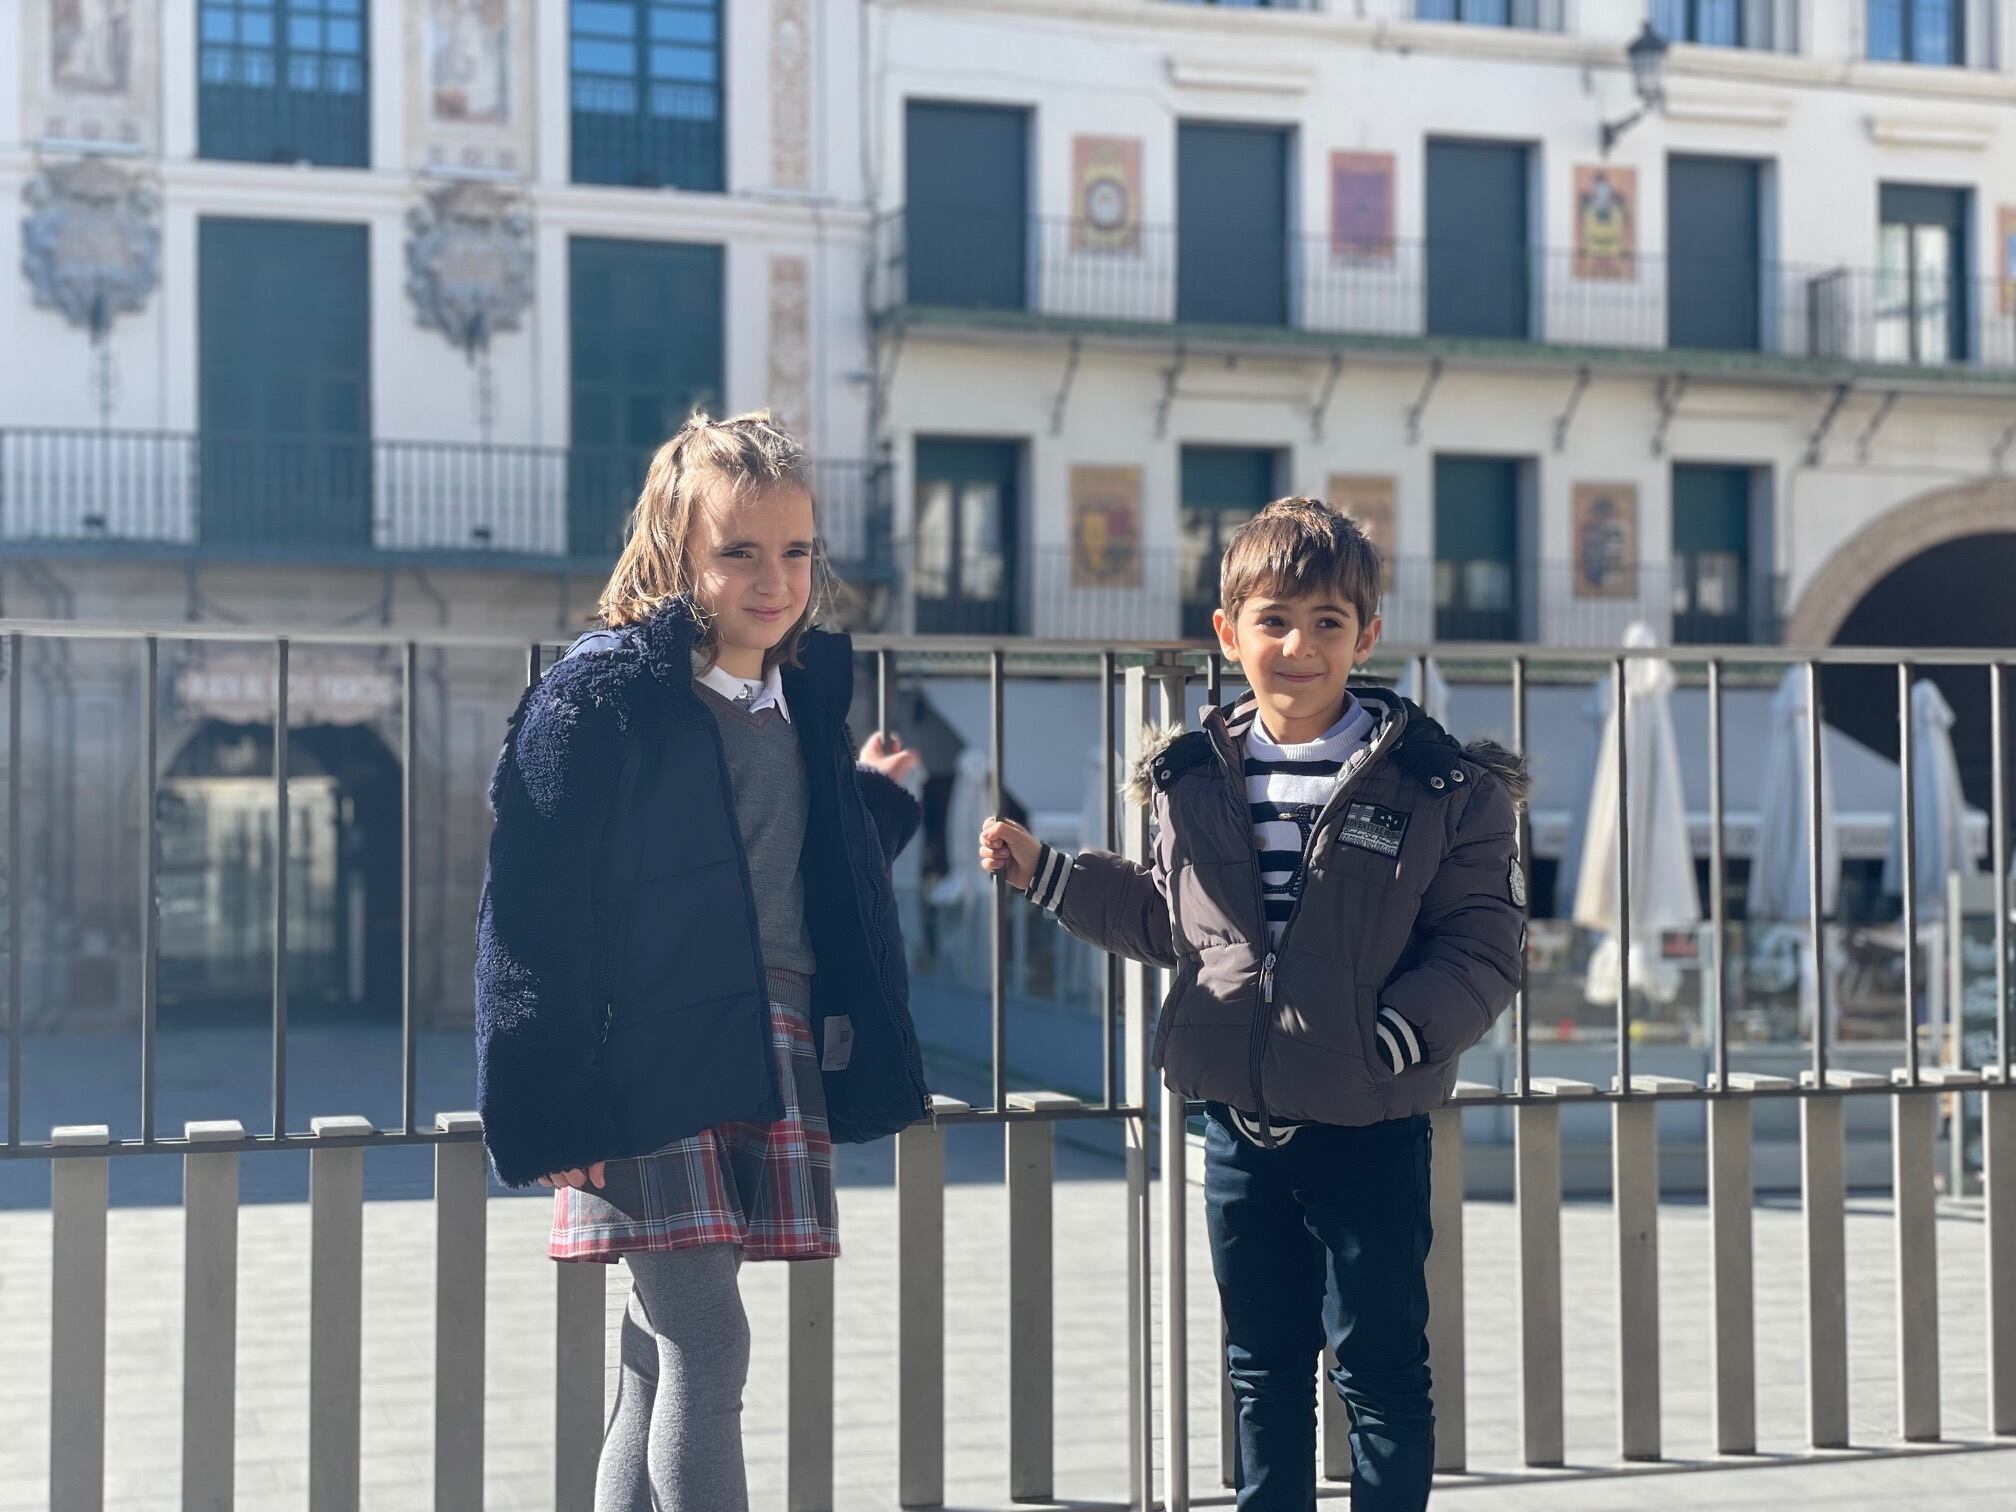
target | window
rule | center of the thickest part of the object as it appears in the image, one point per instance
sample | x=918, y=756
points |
x=1917, y=31
x=1231, y=224
x=1532, y=15
x=284, y=384
x=284, y=81
x=1711, y=555
x=644, y=351
x=1223, y=488
x=1714, y=254
x=1480, y=260
x=966, y=222
x=1714, y=23
x=1477, y=548
x=963, y=572
x=646, y=92
x=1921, y=275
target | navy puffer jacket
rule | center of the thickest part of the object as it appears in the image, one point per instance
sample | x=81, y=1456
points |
x=620, y=999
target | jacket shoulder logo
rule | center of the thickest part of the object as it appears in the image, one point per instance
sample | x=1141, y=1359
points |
x=1371, y=827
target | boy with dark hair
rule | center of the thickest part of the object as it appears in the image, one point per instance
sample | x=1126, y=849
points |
x=1336, y=888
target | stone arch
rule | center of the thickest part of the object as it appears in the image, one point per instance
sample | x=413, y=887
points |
x=1888, y=542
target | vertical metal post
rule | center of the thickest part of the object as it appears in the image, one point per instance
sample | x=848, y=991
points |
x=1824, y=1158
x=1537, y=1193
x=1139, y=1017
x=1333, y=1423
x=1522, y=1025
x=920, y=1309
x=209, y=1316
x=281, y=825
x=77, y=1323
x=16, y=884
x=1998, y=768
x=1634, y=1153
x=1031, y=1177
x=1907, y=761
x=1620, y=697
x=409, y=911
x=1109, y=817
x=1733, y=1336
x=1913, y=1118
x=1998, y=1191
x=1717, y=984
x=150, y=861
x=461, y=1205
x=580, y=1331
x=533, y=654
x=883, y=681
x=1176, y=1303
x=808, y=1388
x=1816, y=896
x=1446, y=1353
x=335, y=1316
x=997, y=971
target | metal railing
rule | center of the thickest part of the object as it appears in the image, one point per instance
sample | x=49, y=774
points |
x=647, y=134
x=1164, y=594
x=959, y=261
x=376, y=500
x=1153, y=685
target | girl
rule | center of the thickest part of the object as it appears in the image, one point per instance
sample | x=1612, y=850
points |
x=689, y=978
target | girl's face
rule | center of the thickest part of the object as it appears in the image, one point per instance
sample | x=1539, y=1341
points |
x=754, y=570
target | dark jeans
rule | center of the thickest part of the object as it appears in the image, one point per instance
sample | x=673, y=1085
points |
x=1325, y=1238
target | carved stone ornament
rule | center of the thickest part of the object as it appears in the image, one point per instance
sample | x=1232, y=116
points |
x=469, y=263
x=91, y=242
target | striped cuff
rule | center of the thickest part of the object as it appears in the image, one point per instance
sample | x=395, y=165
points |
x=1049, y=879
x=1399, y=1042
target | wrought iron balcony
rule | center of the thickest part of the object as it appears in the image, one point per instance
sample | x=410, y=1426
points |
x=956, y=268
x=204, y=495
x=1164, y=594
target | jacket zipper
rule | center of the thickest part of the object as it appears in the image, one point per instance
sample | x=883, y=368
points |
x=1262, y=1021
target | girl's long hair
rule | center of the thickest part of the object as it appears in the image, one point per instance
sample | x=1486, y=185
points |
x=740, y=457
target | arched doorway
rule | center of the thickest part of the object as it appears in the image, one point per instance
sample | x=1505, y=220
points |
x=216, y=879
x=1960, y=592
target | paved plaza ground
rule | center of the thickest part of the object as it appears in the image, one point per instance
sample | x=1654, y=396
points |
x=144, y=1387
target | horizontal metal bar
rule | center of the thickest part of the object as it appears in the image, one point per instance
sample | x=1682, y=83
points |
x=1022, y=648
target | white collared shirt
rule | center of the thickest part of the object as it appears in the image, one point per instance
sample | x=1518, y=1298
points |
x=753, y=696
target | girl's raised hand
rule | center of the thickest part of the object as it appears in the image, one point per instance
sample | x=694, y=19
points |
x=1008, y=850
x=885, y=753
x=577, y=1178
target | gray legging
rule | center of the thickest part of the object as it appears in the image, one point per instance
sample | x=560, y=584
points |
x=675, y=1440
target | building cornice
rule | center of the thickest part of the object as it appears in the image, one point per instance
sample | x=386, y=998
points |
x=1213, y=27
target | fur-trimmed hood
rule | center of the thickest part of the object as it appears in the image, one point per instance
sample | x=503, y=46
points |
x=1423, y=744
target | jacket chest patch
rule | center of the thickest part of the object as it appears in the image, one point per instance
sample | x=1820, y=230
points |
x=1370, y=827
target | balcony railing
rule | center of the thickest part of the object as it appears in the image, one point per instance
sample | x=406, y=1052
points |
x=333, y=500
x=647, y=135
x=961, y=265
x=1168, y=594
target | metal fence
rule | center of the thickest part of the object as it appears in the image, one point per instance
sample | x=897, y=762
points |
x=1152, y=684
x=1396, y=289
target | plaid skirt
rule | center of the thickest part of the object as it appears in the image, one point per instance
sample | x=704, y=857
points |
x=766, y=1187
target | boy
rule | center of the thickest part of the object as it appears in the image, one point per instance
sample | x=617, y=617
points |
x=1336, y=890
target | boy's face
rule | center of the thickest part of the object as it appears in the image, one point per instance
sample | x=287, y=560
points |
x=1297, y=652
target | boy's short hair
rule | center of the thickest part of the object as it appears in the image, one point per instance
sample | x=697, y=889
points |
x=1301, y=546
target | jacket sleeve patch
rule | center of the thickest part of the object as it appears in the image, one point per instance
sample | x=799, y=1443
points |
x=1515, y=881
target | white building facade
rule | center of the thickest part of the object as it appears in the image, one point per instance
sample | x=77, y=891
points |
x=1723, y=373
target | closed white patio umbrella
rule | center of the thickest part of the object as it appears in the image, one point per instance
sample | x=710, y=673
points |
x=1780, y=872
x=1664, y=893
x=1940, y=805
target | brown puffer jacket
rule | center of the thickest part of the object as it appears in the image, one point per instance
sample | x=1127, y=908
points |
x=1413, y=901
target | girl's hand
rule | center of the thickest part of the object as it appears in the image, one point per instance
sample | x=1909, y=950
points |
x=886, y=754
x=577, y=1178
x=1009, y=850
